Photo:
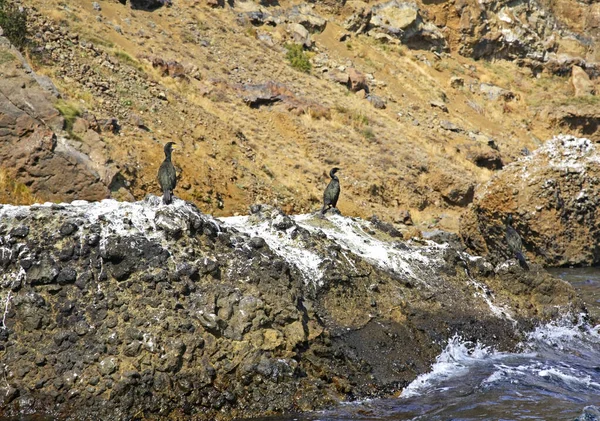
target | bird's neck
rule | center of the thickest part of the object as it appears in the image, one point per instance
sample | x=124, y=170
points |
x=334, y=177
x=168, y=156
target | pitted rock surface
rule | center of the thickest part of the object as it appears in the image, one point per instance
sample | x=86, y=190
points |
x=112, y=310
x=553, y=196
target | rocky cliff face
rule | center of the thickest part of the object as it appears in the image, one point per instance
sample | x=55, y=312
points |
x=116, y=310
x=35, y=149
x=553, y=196
x=418, y=101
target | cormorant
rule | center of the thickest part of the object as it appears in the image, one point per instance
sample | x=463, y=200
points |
x=167, y=177
x=515, y=245
x=332, y=192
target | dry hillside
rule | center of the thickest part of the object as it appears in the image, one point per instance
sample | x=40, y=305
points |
x=440, y=106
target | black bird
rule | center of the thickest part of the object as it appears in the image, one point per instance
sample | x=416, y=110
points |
x=515, y=245
x=167, y=177
x=332, y=192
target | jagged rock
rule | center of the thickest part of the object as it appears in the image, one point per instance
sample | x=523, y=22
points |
x=170, y=68
x=528, y=32
x=552, y=194
x=448, y=125
x=339, y=77
x=265, y=94
x=359, y=20
x=377, y=101
x=357, y=80
x=440, y=105
x=484, y=157
x=300, y=34
x=581, y=82
x=453, y=190
x=148, y=4
x=494, y=93
x=403, y=21
x=50, y=165
x=304, y=15
x=457, y=82
x=404, y=217
x=590, y=413
x=272, y=93
x=124, y=316
x=397, y=18
x=581, y=119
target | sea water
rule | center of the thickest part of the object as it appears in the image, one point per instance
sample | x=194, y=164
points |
x=554, y=376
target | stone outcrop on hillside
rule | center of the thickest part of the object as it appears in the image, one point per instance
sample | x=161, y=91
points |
x=396, y=20
x=553, y=195
x=583, y=119
x=33, y=147
x=533, y=33
x=119, y=310
x=526, y=31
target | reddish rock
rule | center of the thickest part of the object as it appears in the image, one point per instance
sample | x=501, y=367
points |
x=32, y=146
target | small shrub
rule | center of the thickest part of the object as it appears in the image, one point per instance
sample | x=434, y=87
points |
x=11, y=191
x=70, y=111
x=124, y=57
x=368, y=133
x=359, y=120
x=13, y=23
x=127, y=59
x=297, y=58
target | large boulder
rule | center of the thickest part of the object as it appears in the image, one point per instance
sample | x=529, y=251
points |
x=33, y=145
x=403, y=21
x=530, y=32
x=115, y=309
x=553, y=195
x=582, y=84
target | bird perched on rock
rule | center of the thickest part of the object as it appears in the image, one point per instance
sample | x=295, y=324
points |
x=332, y=192
x=515, y=245
x=167, y=177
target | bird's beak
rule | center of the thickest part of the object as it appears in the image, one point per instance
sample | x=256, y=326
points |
x=173, y=147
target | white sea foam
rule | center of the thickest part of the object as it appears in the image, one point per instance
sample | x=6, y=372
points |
x=455, y=360
x=459, y=357
x=564, y=333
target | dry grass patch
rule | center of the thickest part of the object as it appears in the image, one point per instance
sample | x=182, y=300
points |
x=13, y=192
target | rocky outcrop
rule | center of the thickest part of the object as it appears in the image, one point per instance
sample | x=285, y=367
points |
x=270, y=93
x=553, y=195
x=583, y=119
x=34, y=147
x=531, y=32
x=403, y=20
x=582, y=84
x=112, y=310
x=398, y=20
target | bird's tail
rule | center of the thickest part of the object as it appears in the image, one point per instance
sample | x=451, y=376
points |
x=167, y=198
x=522, y=261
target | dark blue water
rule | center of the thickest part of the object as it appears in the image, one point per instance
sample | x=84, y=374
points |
x=555, y=377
